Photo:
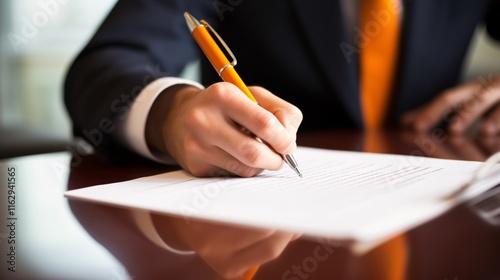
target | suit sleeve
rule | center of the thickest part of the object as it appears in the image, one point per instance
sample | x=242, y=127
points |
x=139, y=42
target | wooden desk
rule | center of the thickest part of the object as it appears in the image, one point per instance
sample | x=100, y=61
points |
x=60, y=239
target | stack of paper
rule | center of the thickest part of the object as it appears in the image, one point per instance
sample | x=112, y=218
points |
x=343, y=195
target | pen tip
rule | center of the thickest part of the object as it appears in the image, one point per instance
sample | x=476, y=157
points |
x=298, y=172
x=191, y=21
x=290, y=160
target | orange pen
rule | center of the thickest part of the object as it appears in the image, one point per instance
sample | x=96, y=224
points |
x=222, y=65
x=226, y=71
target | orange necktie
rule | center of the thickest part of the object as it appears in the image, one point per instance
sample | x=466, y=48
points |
x=379, y=50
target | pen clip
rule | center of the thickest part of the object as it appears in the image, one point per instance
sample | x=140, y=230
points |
x=228, y=50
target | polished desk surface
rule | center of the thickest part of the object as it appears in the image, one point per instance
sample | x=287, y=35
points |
x=60, y=239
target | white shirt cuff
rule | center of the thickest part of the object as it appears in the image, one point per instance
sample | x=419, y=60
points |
x=134, y=129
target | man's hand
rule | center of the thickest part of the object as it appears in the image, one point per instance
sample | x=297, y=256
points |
x=230, y=251
x=460, y=107
x=203, y=130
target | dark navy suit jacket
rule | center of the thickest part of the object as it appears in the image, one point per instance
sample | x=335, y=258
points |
x=295, y=48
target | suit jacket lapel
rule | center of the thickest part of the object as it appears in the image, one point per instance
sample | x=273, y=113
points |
x=326, y=42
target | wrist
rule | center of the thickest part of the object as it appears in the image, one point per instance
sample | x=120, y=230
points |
x=164, y=106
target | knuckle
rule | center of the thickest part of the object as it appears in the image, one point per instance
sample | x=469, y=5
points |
x=251, y=154
x=220, y=91
x=278, y=165
x=481, y=95
x=232, y=166
x=241, y=169
x=264, y=122
x=284, y=144
x=196, y=118
x=448, y=97
x=248, y=172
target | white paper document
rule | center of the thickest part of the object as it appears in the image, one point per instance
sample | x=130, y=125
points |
x=343, y=195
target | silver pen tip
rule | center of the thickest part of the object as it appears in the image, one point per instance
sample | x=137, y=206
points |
x=191, y=21
x=298, y=172
x=290, y=160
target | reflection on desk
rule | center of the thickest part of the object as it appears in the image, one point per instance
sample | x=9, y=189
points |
x=49, y=242
x=61, y=239
x=487, y=206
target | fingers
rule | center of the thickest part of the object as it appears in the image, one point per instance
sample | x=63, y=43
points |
x=491, y=144
x=460, y=108
x=491, y=123
x=289, y=115
x=259, y=120
x=210, y=237
x=235, y=264
x=231, y=251
x=483, y=98
x=438, y=110
x=257, y=254
x=238, y=109
x=228, y=136
x=203, y=131
x=249, y=151
x=466, y=149
x=209, y=160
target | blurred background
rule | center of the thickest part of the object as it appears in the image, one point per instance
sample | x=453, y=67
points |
x=39, y=39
